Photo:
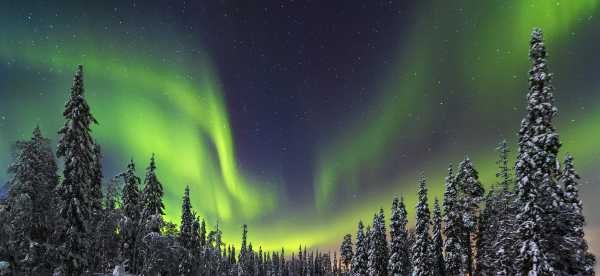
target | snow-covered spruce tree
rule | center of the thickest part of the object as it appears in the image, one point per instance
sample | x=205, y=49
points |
x=421, y=259
x=438, y=266
x=283, y=270
x=470, y=194
x=360, y=259
x=301, y=258
x=28, y=217
x=456, y=256
x=243, y=258
x=131, y=197
x=260, y=266
x=504, y=252
x=203, y=233
x=152, y=193
x=378, y=249
x=76, y=200
x=274, y=266
x=368, y=246
x=45, y=200
x=129, y=227
x=195, y=242
x=346, y=253
x=580, y=260
x=187, y=220
x=249, y=262
x=399, y=263
x=538, y=238
x=488, y=229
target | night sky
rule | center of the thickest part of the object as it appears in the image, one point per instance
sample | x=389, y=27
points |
x=300, y=117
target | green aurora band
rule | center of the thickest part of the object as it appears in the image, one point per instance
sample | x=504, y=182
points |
x=174, y=108
x=146, y=107
x=366, y=144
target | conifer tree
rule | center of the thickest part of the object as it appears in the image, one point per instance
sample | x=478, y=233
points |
x=187, y=219
x=130, y=224
x=346, y=253
x=504, y=244
x=29, y=220
x=470, y=195
x=399, y=263
x=360, y=259
x=131, y=197
x=77, y=148
x=152, y=193
x=46, y=170
x=195, y=239
x=282, y=265
x=243, y=250
x=189, y=239
x=421, y=259
x=536, y=169
x=378, y=250
x=488, y=229
x=369, y=246
x=580, y=260
x=203, y=233
x=437, y=242
x=456, y=256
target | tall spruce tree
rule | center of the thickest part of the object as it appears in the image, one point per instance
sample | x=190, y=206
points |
x=131, y=197
x=346, y=253
x=399, y=263
x=187, y=219
x=77, y=148
x=421, y=259
x=580, y=260
x=195, y=241
x=536, y=169
x=243, y=248
x=378, y=250
x=488, y=229
x=456, y=256
x=130, y=224
x=470, y=193
x=360, y=259
x=504, y=251
x=203, y=233
x=29, y=221
x=243, y=258
x=437, y=242
x=152, y=193
x=45, y=201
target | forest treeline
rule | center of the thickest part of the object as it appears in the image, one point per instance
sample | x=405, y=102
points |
x=529, y=223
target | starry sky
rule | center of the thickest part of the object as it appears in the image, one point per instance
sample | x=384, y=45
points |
x=300, y=117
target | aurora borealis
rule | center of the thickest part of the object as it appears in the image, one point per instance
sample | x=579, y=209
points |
x=299, y=117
